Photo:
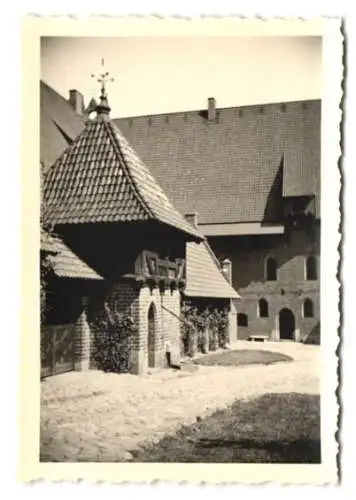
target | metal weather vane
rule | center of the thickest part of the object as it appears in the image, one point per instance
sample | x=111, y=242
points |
x=103, y=78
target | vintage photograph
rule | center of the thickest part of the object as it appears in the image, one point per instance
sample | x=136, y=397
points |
x=180, y=250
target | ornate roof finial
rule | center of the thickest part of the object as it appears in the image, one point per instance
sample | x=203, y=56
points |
x=104, y=77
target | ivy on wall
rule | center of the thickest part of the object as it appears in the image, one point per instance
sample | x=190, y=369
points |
x=113, y=340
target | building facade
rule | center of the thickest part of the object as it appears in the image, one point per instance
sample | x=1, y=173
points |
x=115, y=243
x=252, y=174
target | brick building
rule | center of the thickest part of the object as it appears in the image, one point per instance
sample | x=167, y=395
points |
x=114, y=241
x=252, y=174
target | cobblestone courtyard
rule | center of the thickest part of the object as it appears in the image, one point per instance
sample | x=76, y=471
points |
x=92, y=416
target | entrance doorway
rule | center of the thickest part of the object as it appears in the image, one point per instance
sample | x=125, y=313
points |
x=151, y=335
x=286, y=324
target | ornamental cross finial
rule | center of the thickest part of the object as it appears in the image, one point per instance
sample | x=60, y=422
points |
x=103, y=78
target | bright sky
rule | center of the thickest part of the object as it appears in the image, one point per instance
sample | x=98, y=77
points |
x=159, y=75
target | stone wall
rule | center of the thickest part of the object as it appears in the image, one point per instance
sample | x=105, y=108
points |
x=248, y=256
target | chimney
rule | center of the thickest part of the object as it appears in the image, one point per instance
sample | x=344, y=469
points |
x=211, y=109
x=226, y=268
x=192, y=218
x=76, y=100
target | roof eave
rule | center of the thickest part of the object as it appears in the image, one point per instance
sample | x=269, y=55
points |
x=211, y=296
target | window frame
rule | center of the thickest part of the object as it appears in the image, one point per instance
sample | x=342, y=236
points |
x=268, y=259
x=244, y=315
x=315, y=268
x=266, y=305
x=310, y=303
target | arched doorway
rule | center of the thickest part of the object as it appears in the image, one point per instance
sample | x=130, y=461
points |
x=286, y=324
x=151, y=335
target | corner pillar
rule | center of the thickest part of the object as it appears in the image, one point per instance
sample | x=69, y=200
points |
x=82, y=341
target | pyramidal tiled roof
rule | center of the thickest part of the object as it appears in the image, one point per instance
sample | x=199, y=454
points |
x=99, y=178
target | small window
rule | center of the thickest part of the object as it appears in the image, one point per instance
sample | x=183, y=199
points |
x=271, y=269
x=311, y=268
x=263, y=308
x=308, y=308
x=242, y=319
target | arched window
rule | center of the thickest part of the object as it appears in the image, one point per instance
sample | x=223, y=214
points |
x=242, y=319
x=263, y=308
x=271, y=269
x=308, y=308
x=311, y=271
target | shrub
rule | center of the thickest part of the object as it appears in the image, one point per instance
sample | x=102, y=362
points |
x=223, y=328
x=46, y=271
x=113, y=341
x=189, y=329
x=203, y=329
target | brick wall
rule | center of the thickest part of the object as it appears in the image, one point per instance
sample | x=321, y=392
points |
x=127, y=297
x=248, y=255
x=166, y=306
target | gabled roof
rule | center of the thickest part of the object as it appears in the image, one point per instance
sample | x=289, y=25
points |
x=99, y=178
x=204, y=275
x=229, y=170
x=59, y=124
x=65, y=263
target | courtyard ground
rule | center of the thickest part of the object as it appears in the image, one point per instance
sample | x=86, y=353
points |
x=273, y=428
x=92, y=416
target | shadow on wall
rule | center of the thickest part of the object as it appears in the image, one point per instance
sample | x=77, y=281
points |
x=274, y=205
x=313, y=338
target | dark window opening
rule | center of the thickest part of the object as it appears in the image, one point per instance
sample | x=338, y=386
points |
x=242, y=319
x=308, y=308
x=311, y=268
x=263, y=308
x=271, y=269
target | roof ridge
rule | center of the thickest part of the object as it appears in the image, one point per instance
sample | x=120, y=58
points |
x=199, y=110
x=110, y=126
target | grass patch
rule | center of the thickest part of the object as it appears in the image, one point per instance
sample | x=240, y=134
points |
x=242, y=357
x=274, y=428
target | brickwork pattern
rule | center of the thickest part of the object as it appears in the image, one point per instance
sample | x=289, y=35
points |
x=127, y=297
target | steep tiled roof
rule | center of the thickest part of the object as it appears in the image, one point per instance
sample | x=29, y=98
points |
x=204, y=277
x=65, y=263
x=99, y=178
x=59, y=124
x=228, y=170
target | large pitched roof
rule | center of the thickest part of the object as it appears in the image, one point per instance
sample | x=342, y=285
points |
x=237, y=168
x=59, y=124
x=65, y=263
x=99, y=178
x=204, y=276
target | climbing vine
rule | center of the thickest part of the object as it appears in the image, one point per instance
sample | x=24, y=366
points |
x=113, y=340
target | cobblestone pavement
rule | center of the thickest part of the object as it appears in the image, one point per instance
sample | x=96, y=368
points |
x=92, y=416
